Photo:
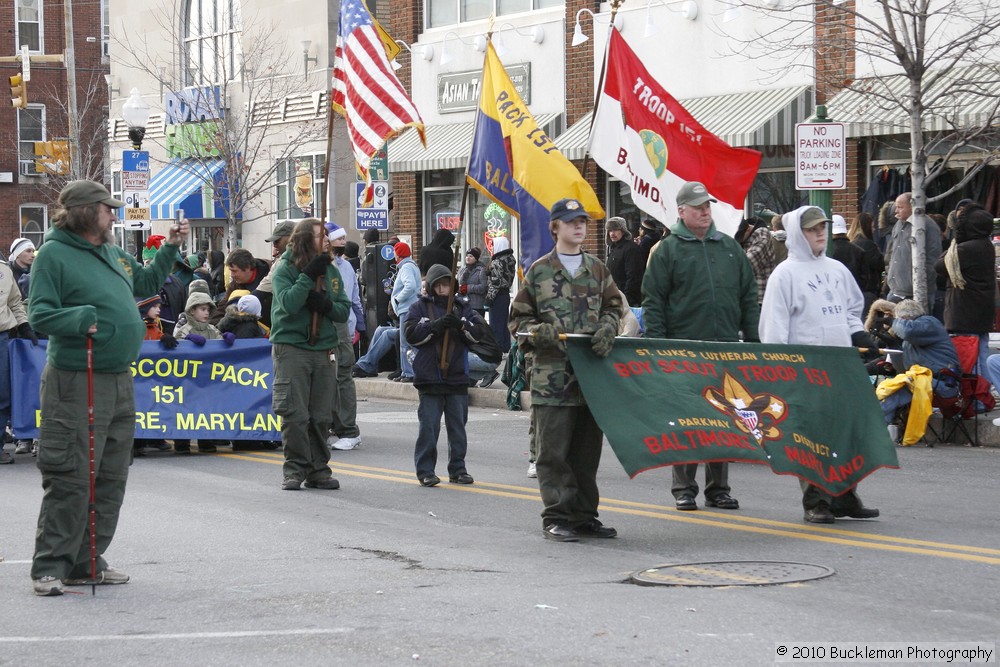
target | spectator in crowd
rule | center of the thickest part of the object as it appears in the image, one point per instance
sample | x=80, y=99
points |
x=472, y=280
x=383, y=341
x=438, y=251
x=405, y=292
x=84, y=286
x=196, y=327
x=305, y=378
x=217, y=269
x=245, y=270
x=352, y=253
x=242, y=319
x=778, y=237
x=794, y=314
x=699, y=286
x=969, y=266
x=755, y=238
x=344, y=433
x=941, y=282
x=624, y=259
x=22, y=256
x=279, y=243
x=149, y=310
x=650, y=233
x=440, y=373
x=13, y=324
x=872, y=262
x=845, y=252
x=899, y=257
x=499, y=279
x=567, y=438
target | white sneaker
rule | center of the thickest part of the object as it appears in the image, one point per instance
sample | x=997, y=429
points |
x=894, y=432
x=532, y=471
x=23, y=447
x=996, y=422
x=345, y=443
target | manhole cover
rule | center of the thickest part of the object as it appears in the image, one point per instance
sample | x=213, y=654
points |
x=730, y=573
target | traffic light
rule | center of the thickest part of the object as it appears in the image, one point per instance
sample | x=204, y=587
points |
x=18, y=92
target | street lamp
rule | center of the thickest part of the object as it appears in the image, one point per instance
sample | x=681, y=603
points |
x=136, y=114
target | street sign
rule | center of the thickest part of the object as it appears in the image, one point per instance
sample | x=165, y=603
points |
x=135, y=180
x=136, y=210
x=378, y=168
x=820, y=156
x=25, y=62
x=377, y=215
x=135, y=190
x=135, y=161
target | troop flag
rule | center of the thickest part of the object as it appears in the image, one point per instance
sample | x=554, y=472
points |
x=516, y=165
x=691, y=402
x=366, y=91
x=643, y=136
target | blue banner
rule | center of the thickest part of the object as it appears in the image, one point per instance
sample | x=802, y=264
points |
x=216, y=391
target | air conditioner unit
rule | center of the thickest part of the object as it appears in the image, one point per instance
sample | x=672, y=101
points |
x=27, y=168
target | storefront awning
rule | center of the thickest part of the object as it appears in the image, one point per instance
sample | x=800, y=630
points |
x=962, y=98
x=448, y=146
x=188, y=185
x=758, y=118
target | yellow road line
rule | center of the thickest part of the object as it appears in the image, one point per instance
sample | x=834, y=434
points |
x=732, y=522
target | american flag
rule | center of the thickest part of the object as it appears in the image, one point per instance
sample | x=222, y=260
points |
x=365, y=89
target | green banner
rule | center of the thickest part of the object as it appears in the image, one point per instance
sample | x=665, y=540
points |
x=803, y=410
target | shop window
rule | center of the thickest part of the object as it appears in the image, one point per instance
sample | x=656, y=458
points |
x=299, y=187
x=773, y=192
x=29, y=25
x=34, y=221
x=450, y=12
x=211, y=41
x=484, y=220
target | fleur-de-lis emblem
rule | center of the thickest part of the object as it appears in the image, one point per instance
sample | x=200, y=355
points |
x=747, y=410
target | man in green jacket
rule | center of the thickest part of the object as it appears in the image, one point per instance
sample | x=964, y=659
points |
x=699, y=286
x=305, y=377
x=83, y=286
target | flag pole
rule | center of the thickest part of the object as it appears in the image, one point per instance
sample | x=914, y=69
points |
x=321, y=281
x=615, y=5
x=443, y=361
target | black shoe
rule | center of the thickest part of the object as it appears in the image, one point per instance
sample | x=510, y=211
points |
x=859, y=512
x=394, y=376
x=358, y=372
x=723, y=501
x=595, y=528
x=819, y=514
x=161, y=446
x=406, y=379
x=560, y=533
x=206, y=449
x=686, y=503
x=182, y=449
x=463, y=478
x=489, y=380
x=328, y=484
x=430, y=480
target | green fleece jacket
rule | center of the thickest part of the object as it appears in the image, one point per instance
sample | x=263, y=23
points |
x=291, y=320
x=75, y=285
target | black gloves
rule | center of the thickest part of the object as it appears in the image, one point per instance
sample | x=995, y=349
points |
x=449, y=321
x=603, y=340
x=25, y=331
x=168, y=341
x=317, y=266
x=863, y=339
x=318, y=303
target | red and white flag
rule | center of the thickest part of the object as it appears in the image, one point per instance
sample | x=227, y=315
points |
x=365, y=89
x=643, y=136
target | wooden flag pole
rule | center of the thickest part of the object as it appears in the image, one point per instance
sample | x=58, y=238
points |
x=321, y=281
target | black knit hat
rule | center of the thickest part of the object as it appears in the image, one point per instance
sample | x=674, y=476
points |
x=475, y=252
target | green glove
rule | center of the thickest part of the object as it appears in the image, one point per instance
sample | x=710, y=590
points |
x=603, y=340
x=544, y=335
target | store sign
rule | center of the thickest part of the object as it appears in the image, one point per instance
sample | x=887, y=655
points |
x=194, y=105
x=459, y=91
x=450, y=220
x=194, y=140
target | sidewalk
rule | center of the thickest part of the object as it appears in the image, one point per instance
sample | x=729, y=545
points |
x=495, y=398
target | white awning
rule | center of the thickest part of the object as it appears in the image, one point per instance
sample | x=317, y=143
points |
x=758, y=118
x=448, y=146
x=962, y=98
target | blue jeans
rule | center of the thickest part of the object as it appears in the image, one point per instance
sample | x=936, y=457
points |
x=383, y=340
x=404, y=347
x=499, y=312
x=479, y=369
x=4, y=383
x=455, y=408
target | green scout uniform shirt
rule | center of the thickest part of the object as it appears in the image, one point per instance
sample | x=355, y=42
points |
x=291, y=320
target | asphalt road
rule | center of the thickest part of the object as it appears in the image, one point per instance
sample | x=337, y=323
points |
x=227, y=569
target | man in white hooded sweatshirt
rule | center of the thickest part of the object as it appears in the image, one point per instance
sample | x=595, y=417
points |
x=812, y=299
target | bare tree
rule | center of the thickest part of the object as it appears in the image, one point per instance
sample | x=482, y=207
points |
x=930, y=62
x=249, y=132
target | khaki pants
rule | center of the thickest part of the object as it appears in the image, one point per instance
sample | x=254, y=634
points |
x=62, y=540
x=303, y=391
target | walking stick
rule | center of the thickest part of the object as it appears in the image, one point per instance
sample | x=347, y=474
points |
x=93, y=490
x=321, y=281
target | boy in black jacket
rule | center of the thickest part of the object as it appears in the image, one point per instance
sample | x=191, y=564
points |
x=442, y=390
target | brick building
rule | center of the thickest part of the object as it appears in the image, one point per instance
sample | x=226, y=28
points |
x=30, y=179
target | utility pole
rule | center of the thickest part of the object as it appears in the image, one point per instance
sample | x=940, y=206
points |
x=73, y=121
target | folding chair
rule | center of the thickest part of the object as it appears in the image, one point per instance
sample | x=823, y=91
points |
x=974, y=396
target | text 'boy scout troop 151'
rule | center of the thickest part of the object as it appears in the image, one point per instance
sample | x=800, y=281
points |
x=448, y=331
